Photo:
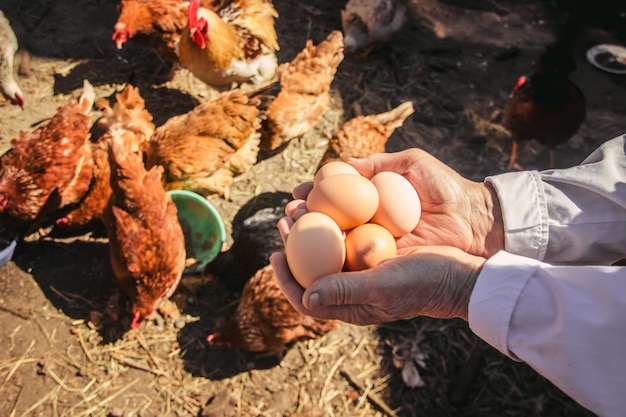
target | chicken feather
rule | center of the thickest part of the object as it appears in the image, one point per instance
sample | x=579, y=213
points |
x=54, y=160
x=304, y=92
x=234, y=43
x=146, y=241
x=205, y=149
x=156, y=24
x=365, y=135
x=368, y=24
x=127, y=114
x=546, y=105
x=265, y=321
x=8, y=47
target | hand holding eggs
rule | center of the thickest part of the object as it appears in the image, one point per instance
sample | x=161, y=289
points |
x=371, y=214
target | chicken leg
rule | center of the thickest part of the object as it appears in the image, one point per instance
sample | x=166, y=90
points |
x=513, y=158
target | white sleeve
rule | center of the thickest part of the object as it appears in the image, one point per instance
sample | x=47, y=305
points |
x=568, y=216
x=566, y=322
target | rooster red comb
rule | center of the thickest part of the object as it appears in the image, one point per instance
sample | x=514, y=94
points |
x=520, y=82
x=197, y=27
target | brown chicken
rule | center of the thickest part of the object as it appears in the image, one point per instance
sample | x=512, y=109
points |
x=546, y=106
x=89, y=209
x=265, y=321
x=205, y=149
x=156, y=24
x=304, y=92
x=8, y=47
x=234, y=44
x=51, y=167
x=365, y=135
x=368, y=24
x=146, y=241
x=127, y=114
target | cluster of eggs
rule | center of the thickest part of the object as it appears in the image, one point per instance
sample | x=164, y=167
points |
x=351, y=223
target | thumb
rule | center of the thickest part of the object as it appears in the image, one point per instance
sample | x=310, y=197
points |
x=378, y=162
x=346, y=288
x=365, y=166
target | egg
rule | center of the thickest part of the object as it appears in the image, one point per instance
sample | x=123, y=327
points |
x=367, y=245
x=315, y=247
x=350, y=200
x=399, y=208
x=333, y=168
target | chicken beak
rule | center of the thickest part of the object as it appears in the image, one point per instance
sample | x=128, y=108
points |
x=19, y=101
x=137, y=319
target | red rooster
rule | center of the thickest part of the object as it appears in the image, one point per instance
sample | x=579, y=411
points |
x=547, y=106
x=152, y=23
x=235, y=44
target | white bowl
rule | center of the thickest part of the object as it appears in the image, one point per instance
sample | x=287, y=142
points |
x=608, y=57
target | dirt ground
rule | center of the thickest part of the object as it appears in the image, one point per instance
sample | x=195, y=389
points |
x=456, y=64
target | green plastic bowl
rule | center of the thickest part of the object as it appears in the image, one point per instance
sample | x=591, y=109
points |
x=203, y=228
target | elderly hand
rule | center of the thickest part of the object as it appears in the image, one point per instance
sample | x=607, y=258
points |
x=455, y=211
x=435, y=281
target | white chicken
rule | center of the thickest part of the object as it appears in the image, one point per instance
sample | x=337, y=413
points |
x=8, y=47
x=368, y=24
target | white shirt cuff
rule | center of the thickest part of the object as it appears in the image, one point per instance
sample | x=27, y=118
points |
x=495, y=295
x=525, y=214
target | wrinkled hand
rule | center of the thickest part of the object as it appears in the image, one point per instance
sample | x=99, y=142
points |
x=455, y=211
x=435, y=281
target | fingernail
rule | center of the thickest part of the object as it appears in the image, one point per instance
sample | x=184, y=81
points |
x=314, y=301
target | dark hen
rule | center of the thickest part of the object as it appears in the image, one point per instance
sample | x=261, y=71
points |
x=547, y=106
x=255, y=238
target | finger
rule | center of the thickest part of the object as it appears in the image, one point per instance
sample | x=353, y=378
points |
x=284, y=225
x=371, y=165
x=302, y=190
x=295, y=208
x=343, y=289
x=365, y=166
x=295, y=295
x=287, y=283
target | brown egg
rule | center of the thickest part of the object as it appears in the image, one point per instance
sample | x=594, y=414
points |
x=367, y=245
x=400, y=208
x=350, y=200
x=314, y=248
x=334, y=168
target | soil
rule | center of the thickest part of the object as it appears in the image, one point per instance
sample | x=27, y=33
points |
x=63, y=354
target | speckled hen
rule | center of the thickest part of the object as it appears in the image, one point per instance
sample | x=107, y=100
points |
x=50, y=166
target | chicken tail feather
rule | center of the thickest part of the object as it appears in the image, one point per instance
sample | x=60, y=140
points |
x=396, y=116
x=87, y=98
